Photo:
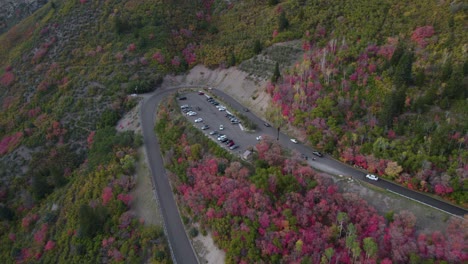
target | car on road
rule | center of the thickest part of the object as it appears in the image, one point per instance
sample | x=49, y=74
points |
x=266, y=124
x=293, y=140
x=205, y=127
x=317, y=153
x=372, y=177
x=221, y=127
x=199, y=120
x=258, y=138
x=214, y=132
x=192, y=113
x=233, y=147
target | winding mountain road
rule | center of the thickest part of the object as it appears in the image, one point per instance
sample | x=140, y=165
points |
x=181, y=248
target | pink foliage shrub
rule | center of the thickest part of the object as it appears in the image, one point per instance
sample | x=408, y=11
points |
x=49, y=245
x=131, y=47
x=7, y=78
x=125, y=198
x=8, y=143
x=159, y=57
x=421, y=34
x=275, y=33
x=106, y=195
x=175, y=61
x=40, y=235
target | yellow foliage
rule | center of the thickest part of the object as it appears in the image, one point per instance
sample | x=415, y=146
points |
x=393, y=169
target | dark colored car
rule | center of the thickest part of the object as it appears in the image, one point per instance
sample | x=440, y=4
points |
x=183, y=98
x=317, y=153
x=266, y=124
x=304, y=156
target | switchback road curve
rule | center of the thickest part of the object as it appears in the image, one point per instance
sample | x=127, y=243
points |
x=181, y=248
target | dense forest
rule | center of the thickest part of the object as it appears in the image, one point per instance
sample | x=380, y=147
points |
x=380, y=85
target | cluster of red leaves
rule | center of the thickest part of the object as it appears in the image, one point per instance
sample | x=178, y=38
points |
x=125, y=198
x=56, y=131
x=49, y=245
x=28, y=220
x=175, y=61
x=40, y=235
x=131, y=47
x=159, y=57
x=106, y=195
x=421, y=35
x=7, y=78
x=8, y=143
x=189, y=54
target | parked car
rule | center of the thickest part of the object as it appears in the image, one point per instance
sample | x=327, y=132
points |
x=184, y=106
x=304, y=156
x=372, y=177
x=266, y=124
x=317, y=153
x=201, y=93
x=199, y=120
x=214, y=132
x=182, y=98
x=191, y=113
x=231, y=144
x=233, y=147
x=224, y=139
x=221, y=137
x=246, y=110
x=205, y=127
x=221, y=127
x=293, y=140
x=259, y=138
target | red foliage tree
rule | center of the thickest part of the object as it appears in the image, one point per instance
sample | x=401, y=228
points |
x=106, y=195
x=49, y=245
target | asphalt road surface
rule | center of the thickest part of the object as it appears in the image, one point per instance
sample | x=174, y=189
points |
x=181, y=248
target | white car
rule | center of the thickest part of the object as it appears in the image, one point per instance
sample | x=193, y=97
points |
x=222, y=109
x=199, y=120
x=293, y=140
x=259, y=138
x=372, y=177
x=191, y=113
x=221, y=127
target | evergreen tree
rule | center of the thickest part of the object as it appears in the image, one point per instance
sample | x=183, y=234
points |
x=257, y=48
x=403, y=71
x=276, y=73
x=283, y=22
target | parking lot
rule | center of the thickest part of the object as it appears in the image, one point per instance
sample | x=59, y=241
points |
x=218, y=117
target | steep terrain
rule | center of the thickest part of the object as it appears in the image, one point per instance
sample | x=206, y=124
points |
x=380, y=85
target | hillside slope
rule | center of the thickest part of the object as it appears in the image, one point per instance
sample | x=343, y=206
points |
x=396, y=70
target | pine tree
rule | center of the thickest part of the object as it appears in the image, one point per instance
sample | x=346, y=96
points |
x=276, y=73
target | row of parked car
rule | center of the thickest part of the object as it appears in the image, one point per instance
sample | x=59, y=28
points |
x=224, y=139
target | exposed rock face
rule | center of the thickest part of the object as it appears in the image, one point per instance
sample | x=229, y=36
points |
x=13, y=11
